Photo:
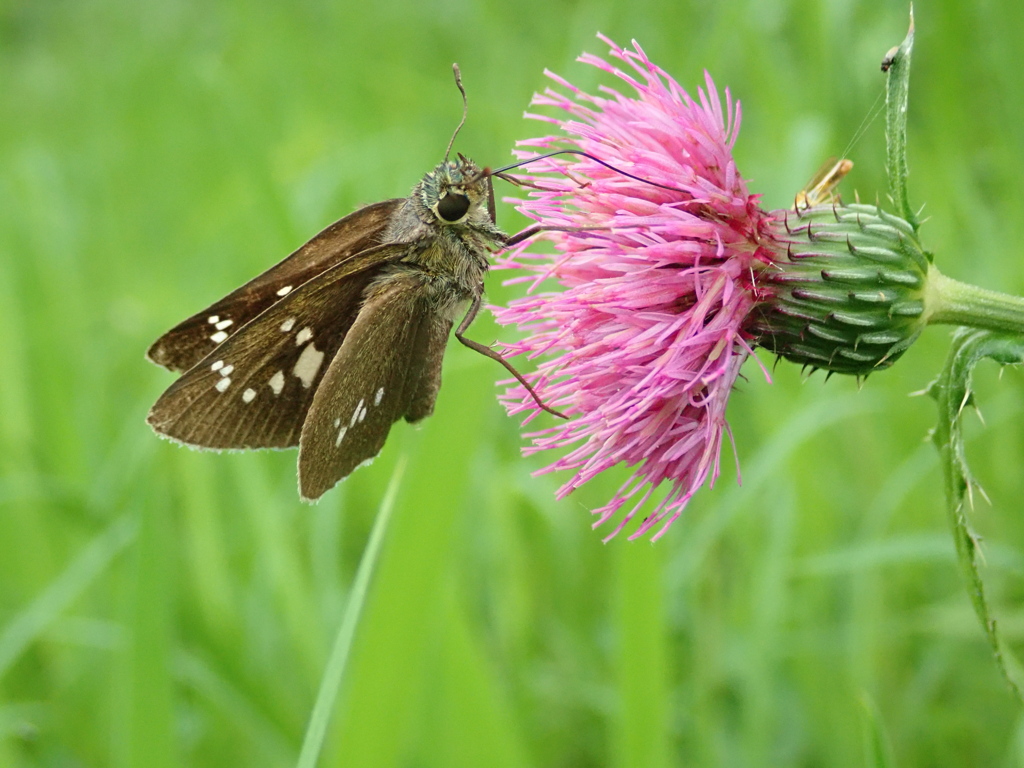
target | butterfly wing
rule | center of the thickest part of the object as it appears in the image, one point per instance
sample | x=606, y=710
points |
x=253, y=390
x=193, y=339
x=388, y=368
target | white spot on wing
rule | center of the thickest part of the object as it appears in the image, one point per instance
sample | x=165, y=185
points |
x=218, y=337
x=341, y=436
x=223, y=324
x=213, y=319
x=288, y=324
x=284, y=291
x=308, y=364
x=217, y=365
x=226, y=370
x=337, y=422
x=277, y=382
x=355, y=414
x=223, y=384
x=249, y=395
x=303, y=336
x=377, y=398
x=362, y=414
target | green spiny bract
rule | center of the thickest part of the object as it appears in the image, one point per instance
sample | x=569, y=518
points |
x=847, y=294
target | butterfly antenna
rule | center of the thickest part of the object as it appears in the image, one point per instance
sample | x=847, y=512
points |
x=589, y=156
x=465, y=109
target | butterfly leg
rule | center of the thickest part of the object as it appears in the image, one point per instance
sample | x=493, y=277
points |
x=488, y=352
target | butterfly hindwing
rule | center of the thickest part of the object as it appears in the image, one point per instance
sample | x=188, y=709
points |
x=388, y=368
x=253, y=390
x=193, y=339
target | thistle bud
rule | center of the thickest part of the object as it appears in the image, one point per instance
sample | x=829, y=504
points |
x=847, y=295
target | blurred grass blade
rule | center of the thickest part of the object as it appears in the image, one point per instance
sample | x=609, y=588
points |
x=76, y=578
x=146, y=707
x=877, y=749
x=335, y=672
x=897, y=87
x=261, y=732
x=381, y=722
x=952, y=392
x=470, y=719
x=641, y=729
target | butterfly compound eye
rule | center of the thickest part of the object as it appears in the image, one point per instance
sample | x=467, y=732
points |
x=452, y=206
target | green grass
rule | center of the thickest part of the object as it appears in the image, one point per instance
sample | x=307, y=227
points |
x=161, y=607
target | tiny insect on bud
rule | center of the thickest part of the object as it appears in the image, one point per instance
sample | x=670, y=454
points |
x=890, y=58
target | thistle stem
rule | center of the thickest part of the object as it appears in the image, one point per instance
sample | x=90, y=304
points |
x=952, y=302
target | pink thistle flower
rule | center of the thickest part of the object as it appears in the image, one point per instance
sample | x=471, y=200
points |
x=644, y=339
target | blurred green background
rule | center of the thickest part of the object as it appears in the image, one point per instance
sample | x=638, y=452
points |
x=162, y=607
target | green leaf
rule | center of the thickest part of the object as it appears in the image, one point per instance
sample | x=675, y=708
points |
x=897, y=88
x=952, y=392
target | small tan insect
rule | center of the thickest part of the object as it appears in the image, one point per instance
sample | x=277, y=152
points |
x=820, y=188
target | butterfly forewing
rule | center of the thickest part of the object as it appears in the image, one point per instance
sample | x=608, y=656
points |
x=253, y=390
x=388, y=368
x=193, y=339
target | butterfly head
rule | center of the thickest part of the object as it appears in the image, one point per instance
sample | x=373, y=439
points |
x=458, y=193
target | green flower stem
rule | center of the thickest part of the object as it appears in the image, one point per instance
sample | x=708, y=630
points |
x=952, y=302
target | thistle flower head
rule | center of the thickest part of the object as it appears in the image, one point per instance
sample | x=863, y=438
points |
x=668, y=272
x=643, y=339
